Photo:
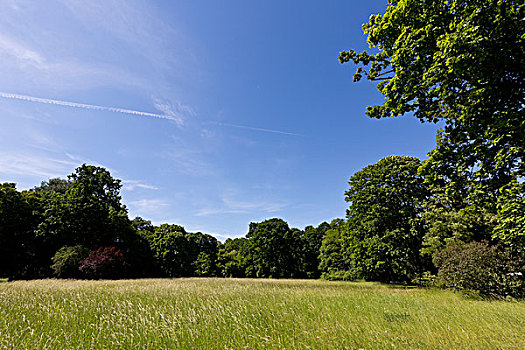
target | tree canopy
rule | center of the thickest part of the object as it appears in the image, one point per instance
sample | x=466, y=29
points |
x=386, y=198
x=460, y=62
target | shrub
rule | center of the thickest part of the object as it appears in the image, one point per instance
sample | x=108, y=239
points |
x=338, y=275
x=106, y=262
x=481, y=268
x=66, y=261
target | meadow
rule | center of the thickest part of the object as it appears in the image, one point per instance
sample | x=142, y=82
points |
x=207, y=313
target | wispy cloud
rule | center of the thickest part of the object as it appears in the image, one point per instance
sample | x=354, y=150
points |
x=255, y=129
x=86, y=106
x=174, y=110
x=233, y=206
x=131, y=185
x=149, y=207
x=25, y=55
x=41, y=168
x=73, y=45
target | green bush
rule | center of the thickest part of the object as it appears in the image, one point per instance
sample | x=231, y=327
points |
x=338, y=275
x=66, y=261
x=481, y=268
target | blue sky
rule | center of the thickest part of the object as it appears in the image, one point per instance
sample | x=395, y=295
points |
x=257, y=117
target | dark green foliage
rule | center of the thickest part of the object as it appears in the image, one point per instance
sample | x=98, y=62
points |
x=88, y=213
x=482, y=268
x=204, y=258
x=232, y=257
x=459, y=62
x=383, y=240
x=19, y=249
x=203, y=265
x=312, y=241
x=510, y=229
x=66, y=261
x=55, y=185
x=171, y=250
x=105, y=262
x=275, y=250
x=179, y=253
x=444, y=225
x=332, y=262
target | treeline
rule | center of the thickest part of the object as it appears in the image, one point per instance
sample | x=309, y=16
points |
x=400, y=227
x=79, y=228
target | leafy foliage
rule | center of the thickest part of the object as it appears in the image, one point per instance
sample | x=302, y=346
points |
x=66, y=261
x=485, y=269
x=382, y=240
x=105, y=262
x=510, y=229
x=332, y=262
x=457, y=61
x=232, y=257
x=312, y=242
x=19, y=249
x=273, y=249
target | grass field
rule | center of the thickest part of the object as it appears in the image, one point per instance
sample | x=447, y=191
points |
x=249, y=314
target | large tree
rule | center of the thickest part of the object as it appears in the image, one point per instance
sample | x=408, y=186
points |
x=17, y=244
x=275, y=250
x=89, y=212
x=383, y=239
x=461, y=62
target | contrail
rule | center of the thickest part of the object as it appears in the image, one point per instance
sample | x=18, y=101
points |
x=129, y=111
x=84, y=106
x=256, y=129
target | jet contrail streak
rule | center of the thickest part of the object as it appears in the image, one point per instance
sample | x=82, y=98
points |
x=256, y=129
x=128, y=111
x=84, y=106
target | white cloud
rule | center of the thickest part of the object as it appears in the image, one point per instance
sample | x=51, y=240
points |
x=231, y=205
x=149, y=208
x=10, y=47
x=41, y=168
x=131, y=185
x=176, y=111
x=56, y=48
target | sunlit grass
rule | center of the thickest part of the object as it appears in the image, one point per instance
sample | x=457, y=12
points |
x=249, y=314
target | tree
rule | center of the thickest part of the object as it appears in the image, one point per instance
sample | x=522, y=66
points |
x=172, y=250
x=204, y=253
x=382, y=240
x=17, y=244
x=56, y=185
x=274, y=248
x=510, y=229
x=313, y=239
x=482, y=268
x=457, y=61
x=89, y=213
x=66, y=261
x=232, y=257
x=105, y=262
x=460, y=62
x=332, y=262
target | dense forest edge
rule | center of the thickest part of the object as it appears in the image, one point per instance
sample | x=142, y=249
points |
x=455, y=219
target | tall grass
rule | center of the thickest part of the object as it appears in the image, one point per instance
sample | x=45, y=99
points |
x=249, y=314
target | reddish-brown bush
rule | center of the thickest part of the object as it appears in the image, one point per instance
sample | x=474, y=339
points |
x=105, y=262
